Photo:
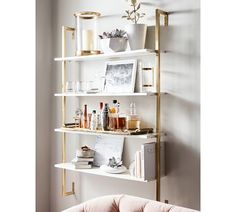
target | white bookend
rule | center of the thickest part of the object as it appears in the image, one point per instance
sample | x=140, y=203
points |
x=148, y=158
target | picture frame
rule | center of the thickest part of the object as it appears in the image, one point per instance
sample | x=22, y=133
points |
x=120, y=76
x=107, y=147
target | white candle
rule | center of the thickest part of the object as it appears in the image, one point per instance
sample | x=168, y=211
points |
x=87, y=39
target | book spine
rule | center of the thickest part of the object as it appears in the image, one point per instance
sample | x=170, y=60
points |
x=139, y=164
x=142, y=162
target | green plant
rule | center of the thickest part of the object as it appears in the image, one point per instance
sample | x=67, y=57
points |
x=134, y=15
x=116, y=33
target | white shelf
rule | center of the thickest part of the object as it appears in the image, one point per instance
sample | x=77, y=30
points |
x=98, y=171
x=106, y=94
x=116, y=55
x=105, y=133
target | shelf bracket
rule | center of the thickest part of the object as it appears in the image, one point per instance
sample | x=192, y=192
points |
x=159, y=13
x=65, y=29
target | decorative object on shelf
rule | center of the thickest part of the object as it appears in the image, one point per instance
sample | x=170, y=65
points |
x=86, y=33
x=114, y=166
x=148, y=79
x=78, y=118
x=105, y=118
x=93, y=123
x=111, y=170
x=136, y=32
x=106, y=148
x=120, y=76
x=114, y=163
x=147, y=161
x=132, y=168
x=85, y=152
x=133, y=121
x=114, y=41
x=84, y=158
x=85, y=118
x=70, y=86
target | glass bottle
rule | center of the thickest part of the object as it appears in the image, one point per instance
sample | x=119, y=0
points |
x=85, y=124
x=132, y=121
x=93, y=123
x=105, y=122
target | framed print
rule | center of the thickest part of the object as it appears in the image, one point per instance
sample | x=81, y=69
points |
x=120, y=76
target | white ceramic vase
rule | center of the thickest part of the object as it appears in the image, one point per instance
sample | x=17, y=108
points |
x=137, y=35
x=110, y=45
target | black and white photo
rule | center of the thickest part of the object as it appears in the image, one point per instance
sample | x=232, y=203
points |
x=120, y=76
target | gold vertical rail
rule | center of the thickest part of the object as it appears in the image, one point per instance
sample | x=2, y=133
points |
x=63, y=110
x=158, y=99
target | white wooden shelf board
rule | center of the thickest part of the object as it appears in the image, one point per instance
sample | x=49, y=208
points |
x=106, y=94
x=98, y=171
x=105, y=133
x=133, y=53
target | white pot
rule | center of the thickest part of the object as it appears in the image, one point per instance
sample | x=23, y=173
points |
x=137, y=35
x=110, y=45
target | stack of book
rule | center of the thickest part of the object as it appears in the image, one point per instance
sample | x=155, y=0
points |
x=82, y=163
x=145, y=162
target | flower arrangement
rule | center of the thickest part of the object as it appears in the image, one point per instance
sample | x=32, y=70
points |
x=134, y=15
x=116, y=33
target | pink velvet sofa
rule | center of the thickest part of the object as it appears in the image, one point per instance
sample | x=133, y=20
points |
x=125, y=203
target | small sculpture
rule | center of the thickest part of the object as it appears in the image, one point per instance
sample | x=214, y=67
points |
x=113, y=163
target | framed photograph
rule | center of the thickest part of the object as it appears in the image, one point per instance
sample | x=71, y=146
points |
x=107, y=147
x=120, y=76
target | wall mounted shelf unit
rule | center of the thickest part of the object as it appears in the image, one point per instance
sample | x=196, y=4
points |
x=105, y=133
x=105, y=94
x=157, y=95
x=97, y=171
x=116, y=55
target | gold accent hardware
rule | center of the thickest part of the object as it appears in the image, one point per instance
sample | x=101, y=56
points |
x=158, y=103
x=87, y=14
x=87, y=52
x=65, y=29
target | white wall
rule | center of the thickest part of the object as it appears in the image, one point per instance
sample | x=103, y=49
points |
x=43, y=104
x=180, y=108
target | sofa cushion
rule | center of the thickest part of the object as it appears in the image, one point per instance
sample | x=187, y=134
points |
x=157, y=206
x=100, y=204
x=125, y=203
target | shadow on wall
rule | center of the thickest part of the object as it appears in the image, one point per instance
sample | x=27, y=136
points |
x=180, y=121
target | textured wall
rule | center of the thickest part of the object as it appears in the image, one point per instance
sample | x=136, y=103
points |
x=180, y=108
x=43, y=103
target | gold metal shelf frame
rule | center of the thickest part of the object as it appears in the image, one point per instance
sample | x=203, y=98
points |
x=66, y=29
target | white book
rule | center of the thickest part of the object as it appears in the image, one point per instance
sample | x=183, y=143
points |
x=82, y=163
x=78, y=160
x=79, y=166
x=148, y=161
x=85, y=159
x=138, y=164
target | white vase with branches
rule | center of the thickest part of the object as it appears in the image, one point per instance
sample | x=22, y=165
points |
x=136, y=31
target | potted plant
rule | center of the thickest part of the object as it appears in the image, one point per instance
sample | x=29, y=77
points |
x=114, y=41
x=136, y=32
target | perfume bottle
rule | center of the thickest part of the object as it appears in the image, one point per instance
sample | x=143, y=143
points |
x=132, y=120
x=85, y=122
x=105, y=122
x=93, y=123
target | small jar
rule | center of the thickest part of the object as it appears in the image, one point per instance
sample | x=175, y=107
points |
x=132, y=122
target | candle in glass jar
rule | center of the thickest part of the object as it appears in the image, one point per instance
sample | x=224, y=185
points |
x=87, y=39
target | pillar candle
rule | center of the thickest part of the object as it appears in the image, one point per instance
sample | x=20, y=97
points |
x=87, y=39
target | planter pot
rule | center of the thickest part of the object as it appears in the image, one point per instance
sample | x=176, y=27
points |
x=110, y=45
x=137, y=35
